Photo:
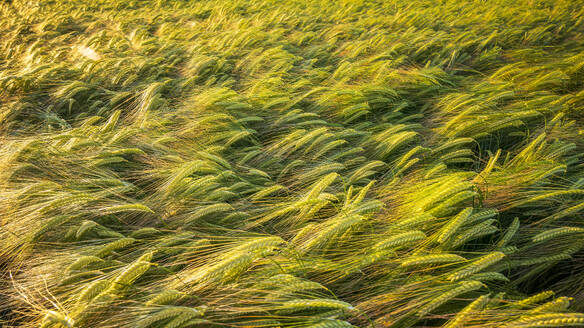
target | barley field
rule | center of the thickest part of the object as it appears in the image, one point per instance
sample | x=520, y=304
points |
x=263, y=163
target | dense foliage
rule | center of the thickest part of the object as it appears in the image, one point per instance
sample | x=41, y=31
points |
x=261, y=163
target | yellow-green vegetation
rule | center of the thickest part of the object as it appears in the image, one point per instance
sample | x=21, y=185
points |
x=262, y=163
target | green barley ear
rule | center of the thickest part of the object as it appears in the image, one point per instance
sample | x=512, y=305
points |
x=551, y=258
x=436, y=169
x=127, y=208
x=461, y=288
x=560, y=304
x=365, y=171
x=267, y=191
x=322, y=184
x=285, y=285
x=423, y=260
x=476, y=266
x=308, y=304
x=446, y=189
x=83, y=262
x=303, y=233
x=488, y=168
x=454, y=143
x=131, y=272
x=361, y=195
x=208, y=210
x=400, y=240
x=171, y=312
x=415, y=221
x=112, y=121
x=451, y=204
x=113, y=246
x=223, y=271
x=468, y=311
x=489, y=276
x=453, y=224
x=482, y=215
x=534, y=299
x=185, y=320
x=89, y=292
x=509, y=234
x=330, y=231
x=554, y=233
x=483, y=229
x=549, y=320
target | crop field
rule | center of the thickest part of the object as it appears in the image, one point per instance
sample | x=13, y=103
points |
x=263, y=163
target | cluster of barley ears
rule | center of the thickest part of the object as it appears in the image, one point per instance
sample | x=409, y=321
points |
x=239, y=163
